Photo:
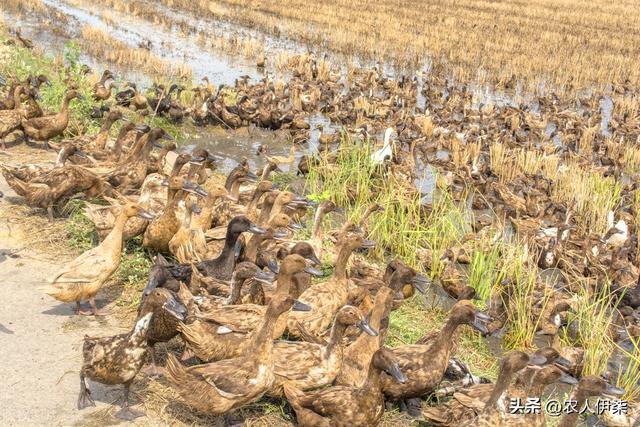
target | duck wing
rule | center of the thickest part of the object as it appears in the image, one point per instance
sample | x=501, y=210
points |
x=243, y=317
x=232, y=378
x=84, y=269
x=293, y=360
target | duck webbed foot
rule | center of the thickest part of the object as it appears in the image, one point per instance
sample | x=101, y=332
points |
x=412, y=407
x=94, y=309
x=84, y=398
x=127, y=412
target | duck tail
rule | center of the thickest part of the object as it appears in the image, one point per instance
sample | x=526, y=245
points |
x=175, y=370
x=50, y=290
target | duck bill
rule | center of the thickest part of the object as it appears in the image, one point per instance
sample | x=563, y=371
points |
x=300, y=306
x=366, y=327
x=567, y=379
x=394, y=370
x=563, y=363
x=340, y=211
x=265, y=276
x=614, y=392
x=168, y=137
x=145, y=215
x=294, y=226
x=256, y=230
x=536, y=361
x=196, y=209
x=197, y=159
x=313, y=271
x=314, y=259
x=367, y=244
x=176, y=309
x=273, y=266
x=230, y=198
x=152, y=283
x=156, y=144
x=480, y=321
x=194, y=189
x=125, y=119
x=420, y=283
x=142, y=128
x=280, y=235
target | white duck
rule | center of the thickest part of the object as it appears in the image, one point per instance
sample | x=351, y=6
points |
x=387, y=150
x=618, y=234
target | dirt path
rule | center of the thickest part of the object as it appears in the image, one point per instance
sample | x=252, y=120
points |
x=40, y=341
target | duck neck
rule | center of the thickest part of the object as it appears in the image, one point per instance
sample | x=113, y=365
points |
x=254, y=199
x=229, y=246
x=372, y=383
x=101, y=138
x=503, y=381
x=263, y=340
x=117, y=145
x=340, y=271
x=284, y=284
x=235, y=189
x=251, y=251
x=570, y=419
x=265, y=213
x=63, y=155
x=114, y=238
x=317, y=224
x=335, y=339
x=175, y=170
x=236, y=290
x=266, y=171
x=64, y=109
x=17, y=101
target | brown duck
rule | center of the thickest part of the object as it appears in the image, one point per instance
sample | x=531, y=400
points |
x=305, y=365
x=342, y=406
x=216, y=388
x=116, y=360
x=426, y=364
x=47, y=127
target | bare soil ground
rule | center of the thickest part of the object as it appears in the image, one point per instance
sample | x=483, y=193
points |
x=40, y=338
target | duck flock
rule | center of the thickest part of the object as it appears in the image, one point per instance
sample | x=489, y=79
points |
x=232, y=283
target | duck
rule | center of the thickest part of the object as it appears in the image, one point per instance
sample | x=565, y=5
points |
x=245, y=317
x=306, y=365
x=167, y=310
x=387, y=151
x=301, y=281
x=45, y=190
x=163, y=228
x=116, y=360
x=130, y=173
x=47, y=127
x=212, y=341
x=10, y=119
x=324, y=208
x=82, y=278
x=219, y=387
x=181, y=245
x=279, y=160
x=101, y=91
x=222, y=266
x=342, y=406
x=493, y=412
x=357, y=355
x=327, y=297
x=588, y=386
x=100, y=141
x=425, y=364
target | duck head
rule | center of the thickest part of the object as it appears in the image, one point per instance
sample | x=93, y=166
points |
x=73, y=94
x=464, y=312
x=306, y=250
x=384, y=360
x=132, y=209
x=157, y=274
x=593, y=385
x=354, y=241
x=248, y=270
x=216, y=190
x=351, y=316
x=294, y=263
x=551, y=374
